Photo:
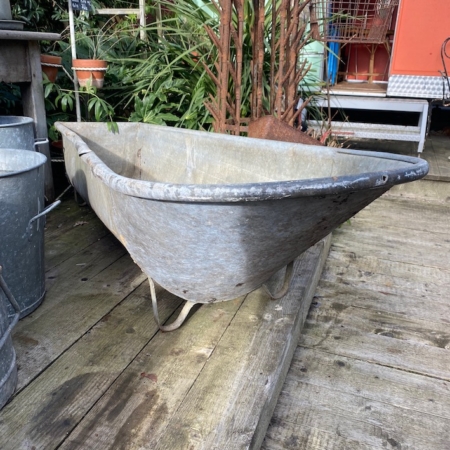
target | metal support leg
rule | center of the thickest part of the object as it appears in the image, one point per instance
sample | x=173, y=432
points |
x=286, y=283
x=178, y=321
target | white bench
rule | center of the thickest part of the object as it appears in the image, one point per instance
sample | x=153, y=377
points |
x=352, y=130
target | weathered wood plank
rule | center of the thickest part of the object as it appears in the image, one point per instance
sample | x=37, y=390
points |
x=80, y=236
x=380, y=300
x=14, y=51
x=371, y=381
x=386, y=211
x=136, y=410
x=65, y=217
x=386, y=244
x=378, y=322
x=287, y=436
x=231, y=408
x=375, y=384
x=439, y=151
x=422, y=190
x=213, y=383
x=356, y=418
x=43, y=413
x=70, y=309
x=336, y=331
x=389, y=232
x=373, y=366
x=88, y=276
x=78, y=270
x=356, y=266
x=413, y=222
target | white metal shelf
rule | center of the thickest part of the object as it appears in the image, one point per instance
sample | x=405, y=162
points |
x=377, y=131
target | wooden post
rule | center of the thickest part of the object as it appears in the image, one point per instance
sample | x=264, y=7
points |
x=34, y=106
x=373, y=49
x=20, y=63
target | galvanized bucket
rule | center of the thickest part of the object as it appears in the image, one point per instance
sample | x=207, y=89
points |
x=8, y=366
x=5, y=10
x=22, y=227
x=18, y=132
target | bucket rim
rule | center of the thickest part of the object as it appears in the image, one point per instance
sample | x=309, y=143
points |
x=15, y=121
x=39, y=160
x=412, y=169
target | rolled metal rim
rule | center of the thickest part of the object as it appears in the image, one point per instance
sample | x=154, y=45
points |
x=29, y=160
x=14, y=121
x=243, y=192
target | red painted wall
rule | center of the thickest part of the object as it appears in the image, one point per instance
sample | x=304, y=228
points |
x=422, y=27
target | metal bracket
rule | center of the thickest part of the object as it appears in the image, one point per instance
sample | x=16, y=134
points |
x=181, y=317
x=286, y=283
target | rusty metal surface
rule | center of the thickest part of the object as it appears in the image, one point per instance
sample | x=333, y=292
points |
x=210, y=216
x=269, y=127
x=356, y=21
x=286, y=36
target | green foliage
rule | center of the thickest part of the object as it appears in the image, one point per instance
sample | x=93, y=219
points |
x=37, y=15
x=161, y=80
x=165, y=82
x=10, y=99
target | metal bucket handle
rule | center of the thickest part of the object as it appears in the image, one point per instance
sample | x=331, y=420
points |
x=42, y=213
x=40, y=141
x=15, y=305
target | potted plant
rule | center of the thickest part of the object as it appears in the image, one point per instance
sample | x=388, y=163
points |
x=90, y=66
x=94, y=45
x=50, y=65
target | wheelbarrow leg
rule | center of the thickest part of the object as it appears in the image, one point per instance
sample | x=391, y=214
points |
x=286, y=283
x=181, y=317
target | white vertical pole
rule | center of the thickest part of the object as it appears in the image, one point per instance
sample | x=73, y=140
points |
x=142, y=21
x=74, y=56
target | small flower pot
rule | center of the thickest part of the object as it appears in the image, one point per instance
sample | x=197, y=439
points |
x=50, y=65
x=90, y=71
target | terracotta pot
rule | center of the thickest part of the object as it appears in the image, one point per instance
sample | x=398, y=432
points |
x=50, y=71
x=95, y=76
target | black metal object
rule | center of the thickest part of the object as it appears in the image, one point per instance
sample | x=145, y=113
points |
x=444, y=73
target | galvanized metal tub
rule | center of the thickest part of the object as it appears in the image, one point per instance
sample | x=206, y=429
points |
x=17, y=132
x=22, y=226
x=8, y=366
x=211, y=217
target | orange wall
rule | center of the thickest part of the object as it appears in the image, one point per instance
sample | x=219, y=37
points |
x=422, y=27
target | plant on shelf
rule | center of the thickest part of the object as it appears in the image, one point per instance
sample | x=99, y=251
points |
x=93, y=47
x=97, y=42
x=50, y=65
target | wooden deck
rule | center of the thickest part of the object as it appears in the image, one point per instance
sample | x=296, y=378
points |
x=95, y=371
x=371, y=371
